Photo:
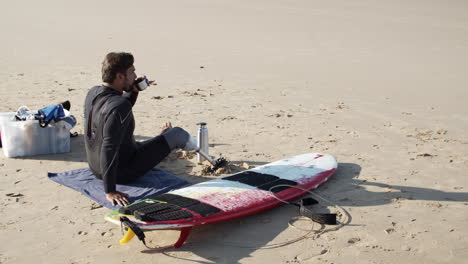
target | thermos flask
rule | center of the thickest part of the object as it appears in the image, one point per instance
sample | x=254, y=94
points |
x=202, y=140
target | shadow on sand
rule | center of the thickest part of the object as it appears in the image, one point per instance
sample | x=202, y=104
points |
x=233, y=240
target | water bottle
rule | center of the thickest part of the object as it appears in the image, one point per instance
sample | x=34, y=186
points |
x=202, y=140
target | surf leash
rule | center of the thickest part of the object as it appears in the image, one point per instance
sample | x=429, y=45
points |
x=132, y=230
x=304, y=215
x=323, y=219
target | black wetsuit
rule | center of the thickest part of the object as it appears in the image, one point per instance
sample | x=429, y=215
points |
x=113, y=154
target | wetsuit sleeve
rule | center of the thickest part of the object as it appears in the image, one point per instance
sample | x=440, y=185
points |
x=115, y=128
x=131, y=96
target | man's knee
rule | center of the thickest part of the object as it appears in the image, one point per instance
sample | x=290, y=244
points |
x=176, y=137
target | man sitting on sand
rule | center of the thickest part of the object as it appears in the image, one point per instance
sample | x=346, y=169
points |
x=113, y=154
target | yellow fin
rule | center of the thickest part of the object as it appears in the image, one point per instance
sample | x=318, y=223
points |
x=128, y=236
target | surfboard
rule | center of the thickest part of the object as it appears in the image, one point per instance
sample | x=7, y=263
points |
x=236, y=195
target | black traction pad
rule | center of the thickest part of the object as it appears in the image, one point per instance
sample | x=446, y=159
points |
x=261, y=180
x=156, y=216
x=267, y=186
x=158, y=208
x=252, y=178
x=189, y=203
x=203, y=209
x=129, y=209
x=165, y=197
x=176, y=199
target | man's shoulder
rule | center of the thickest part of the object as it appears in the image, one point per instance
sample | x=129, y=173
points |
x=94, y=92
x=95, y=89
x=120, y=104
x=116, y=103
x=110, y=100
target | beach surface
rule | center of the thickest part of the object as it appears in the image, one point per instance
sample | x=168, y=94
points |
x=380, y=85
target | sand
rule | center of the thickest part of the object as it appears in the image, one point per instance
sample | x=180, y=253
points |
x=380, y=85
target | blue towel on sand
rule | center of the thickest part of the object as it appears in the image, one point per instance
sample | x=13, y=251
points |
x=154, y=182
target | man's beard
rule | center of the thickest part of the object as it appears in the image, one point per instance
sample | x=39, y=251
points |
x=128, y=87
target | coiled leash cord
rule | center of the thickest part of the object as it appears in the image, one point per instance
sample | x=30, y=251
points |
x=305, y=214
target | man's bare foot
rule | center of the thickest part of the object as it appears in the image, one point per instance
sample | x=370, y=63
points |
x=166, y=127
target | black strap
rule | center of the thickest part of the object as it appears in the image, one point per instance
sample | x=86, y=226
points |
x=324, y=219
x=42, y=122
x=126, y=223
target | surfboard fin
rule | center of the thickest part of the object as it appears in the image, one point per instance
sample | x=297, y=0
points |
x=128, y=236
x=133, y=230
x=184, y=233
